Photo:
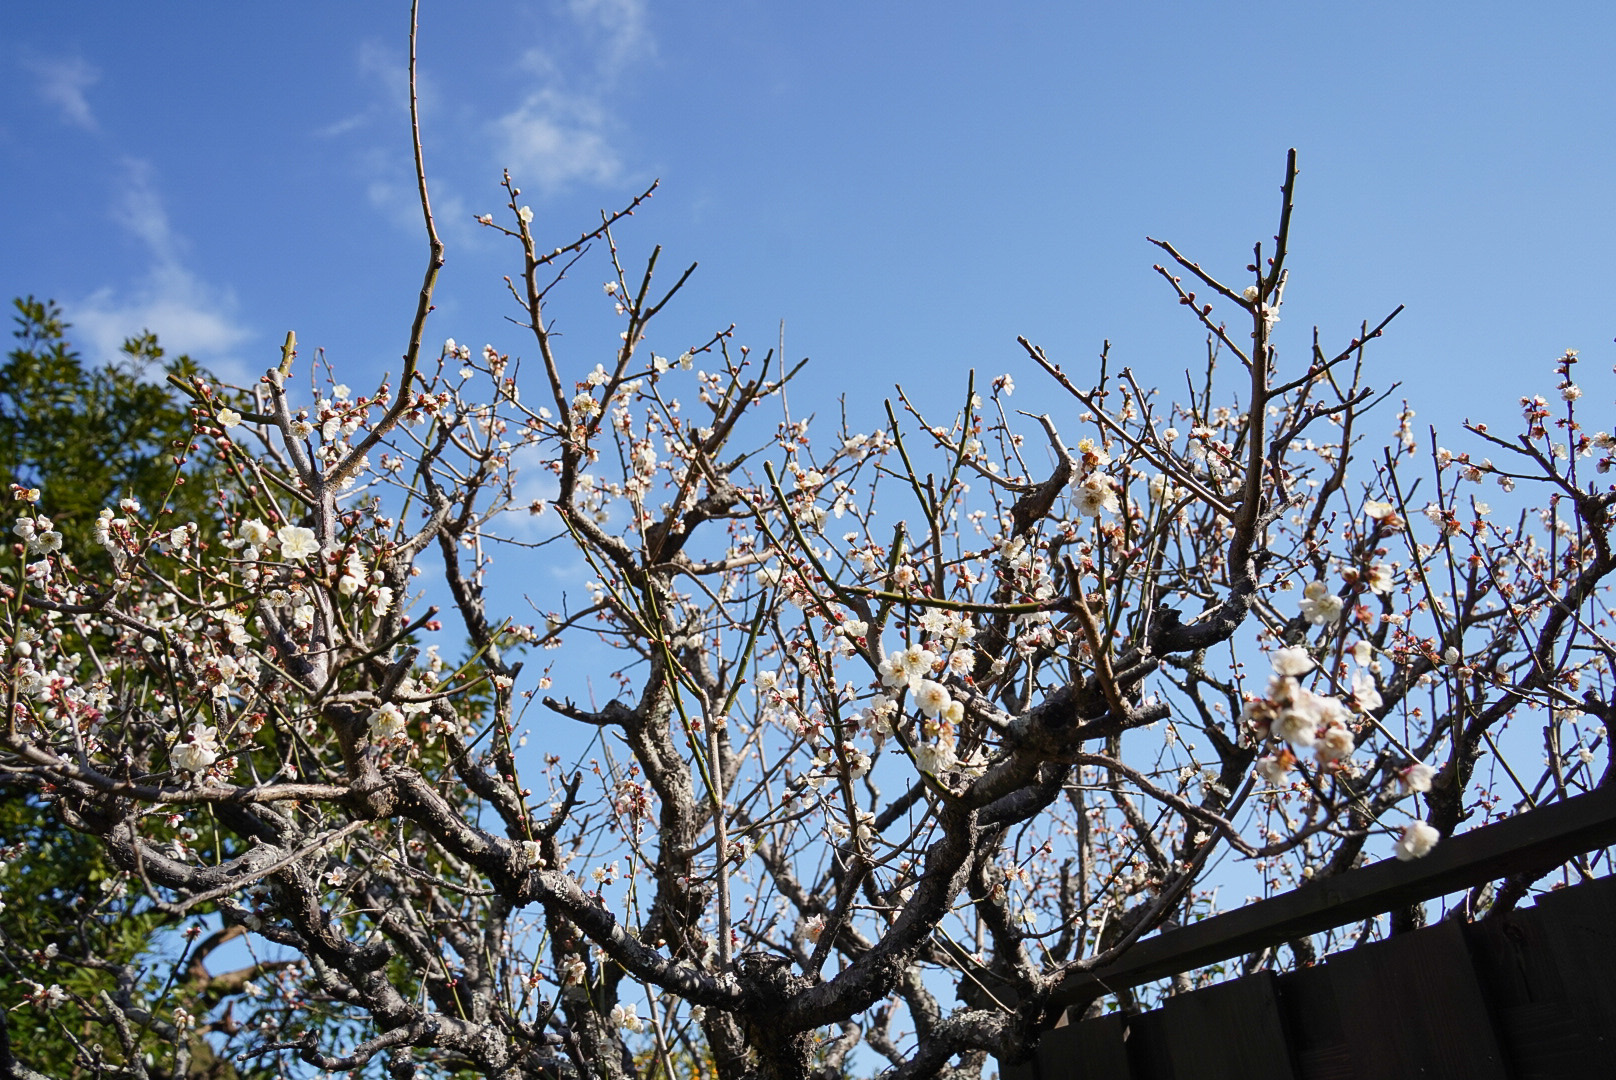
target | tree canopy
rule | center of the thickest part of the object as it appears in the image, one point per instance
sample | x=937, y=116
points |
x=86, y=436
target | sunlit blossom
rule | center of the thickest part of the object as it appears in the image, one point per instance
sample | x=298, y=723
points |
x=387, y=723
x=297, y=543
x=1418, y=838
x=1319, y=605
x=197, y=750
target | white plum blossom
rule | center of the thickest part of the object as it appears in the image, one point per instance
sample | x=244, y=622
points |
x=1292, y=713
x=1297, y=724
x=1275, y=768
x=197, y=750
x=49, y=997
x=105, y=523
x=935, y=758
x=627, y=1018
x=879, y=716
x=1418, y=838
x=38, y=535
x=1292, y=661
x=907, y=666
x=1417, y=777
x=931, y=697
x=1365, y=695
x=229, y=418
x=1162, y=489
x=533, y=853
x=1096, y=494
x=1319, y=605
x=387, y=723
x=297, y=543
x=1093, y=455
x=1334, y=743
x=353, y=576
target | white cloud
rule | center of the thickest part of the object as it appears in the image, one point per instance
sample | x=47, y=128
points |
x=62, y=82
x=387, y=166
x=562, y=131
x=620, y=28
x=553, y=138
x=534, y=483
x=141, y=212
x=389, y=67
x=188, y=314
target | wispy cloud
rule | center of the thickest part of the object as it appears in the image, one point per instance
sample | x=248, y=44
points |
x=188, y=314
x=619, y=29
x=563, y=130
x=560, y=130
x=554, y=138
x=62, y=81
x=387, y=166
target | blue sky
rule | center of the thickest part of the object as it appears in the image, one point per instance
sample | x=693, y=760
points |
x=908, y=186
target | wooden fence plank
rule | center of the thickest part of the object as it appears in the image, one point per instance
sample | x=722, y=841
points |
x=1528, y=996
x=1313, y=1025
x=1542, y=1026
x=1149, y=1055
x=1411, y=1006
x=1092, y=1050
x=1231, y=1031
x=1554, y=1006
x=1579, y=926
x=1022, y=1070
x=1537, y=839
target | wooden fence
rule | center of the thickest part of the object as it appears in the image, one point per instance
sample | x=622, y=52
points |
x=1530, y=995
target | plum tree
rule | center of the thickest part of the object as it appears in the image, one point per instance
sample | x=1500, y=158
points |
x=907, y=724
